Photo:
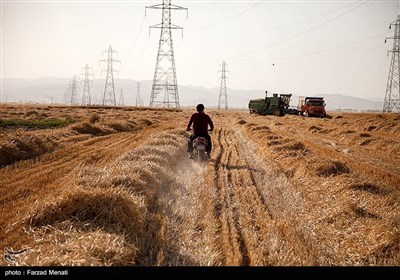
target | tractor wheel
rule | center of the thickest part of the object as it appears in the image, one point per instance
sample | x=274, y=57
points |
x=306, y=114
x=276, y=112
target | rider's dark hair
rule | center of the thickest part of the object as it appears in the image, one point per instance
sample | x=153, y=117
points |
x=200, y=107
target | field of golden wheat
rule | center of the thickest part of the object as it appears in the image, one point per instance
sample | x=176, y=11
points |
x=106, y=186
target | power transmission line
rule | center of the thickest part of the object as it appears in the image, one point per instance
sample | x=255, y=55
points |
x=140, y=57
x=133, y=44
x=315, y=52
x=295, y=22
x=289, y=39
x=299, y=34
x=392, y=95
x=228, y=18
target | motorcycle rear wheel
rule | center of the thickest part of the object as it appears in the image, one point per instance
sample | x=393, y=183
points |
x=200, y=156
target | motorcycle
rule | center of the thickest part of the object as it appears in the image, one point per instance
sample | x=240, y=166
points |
x=199, y=149
x=199, y=153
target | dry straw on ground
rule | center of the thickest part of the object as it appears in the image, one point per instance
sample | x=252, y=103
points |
x=116, y=188
x=119, y=199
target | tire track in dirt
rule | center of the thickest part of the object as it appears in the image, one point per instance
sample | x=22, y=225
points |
x=258, y=219
x=346, y=204
x=234, y=203
x=240, y=206
x=245, y=211
x=256, y=177
x=228, y=234
x=264, y=234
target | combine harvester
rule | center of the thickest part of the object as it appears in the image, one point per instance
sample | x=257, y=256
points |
x=275, y=105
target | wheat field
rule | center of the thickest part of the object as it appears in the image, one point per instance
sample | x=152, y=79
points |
x=112, y=186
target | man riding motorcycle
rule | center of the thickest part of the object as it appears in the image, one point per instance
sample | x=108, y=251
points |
x=200, y=121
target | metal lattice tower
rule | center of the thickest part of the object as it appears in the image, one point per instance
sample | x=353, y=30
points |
x=165, y=71
x=109, y=89
x=138, y=99
x=86, y=98
x=121, y=99
x=73, y=92
x=223, y=96
x=67, y=95
x=392, y=95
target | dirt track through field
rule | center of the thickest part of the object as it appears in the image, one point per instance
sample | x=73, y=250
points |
x=238, y=205
x=265, y=212
x=232, y=219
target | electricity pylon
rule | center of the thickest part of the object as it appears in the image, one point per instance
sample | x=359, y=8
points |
x=121, y=99
x=223, y=96
x=109, y=89
x=165, y=72
x=73, y=92
x=67, y=95
x=86, y=98
x=392, y=95
x=138, y=99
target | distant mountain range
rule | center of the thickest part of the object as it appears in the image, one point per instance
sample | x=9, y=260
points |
x=54, y=90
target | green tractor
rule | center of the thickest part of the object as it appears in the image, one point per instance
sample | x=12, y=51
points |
x=275, y=105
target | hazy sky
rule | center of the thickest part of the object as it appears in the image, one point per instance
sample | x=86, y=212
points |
x=300, y=47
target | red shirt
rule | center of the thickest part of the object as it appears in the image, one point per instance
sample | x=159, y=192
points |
x=200, y=123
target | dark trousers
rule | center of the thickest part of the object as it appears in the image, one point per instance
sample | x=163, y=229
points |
x=194, y=136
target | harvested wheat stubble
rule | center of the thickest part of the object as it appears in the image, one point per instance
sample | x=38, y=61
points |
x=314, y=128
x=346, y=235
x=74, y=222
x=260, y=128
x=365, y=142
x=109, y=209
x=74, y=248
x=332, y=168
x=368, y=187
x=364, y=135
x=89, y=128
x=241, y=121
x=118, y=200
x=24, y=146
x=120, y=126
x=94, y=117
x=252, y=205
x=249, y=125
x=297, y=146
